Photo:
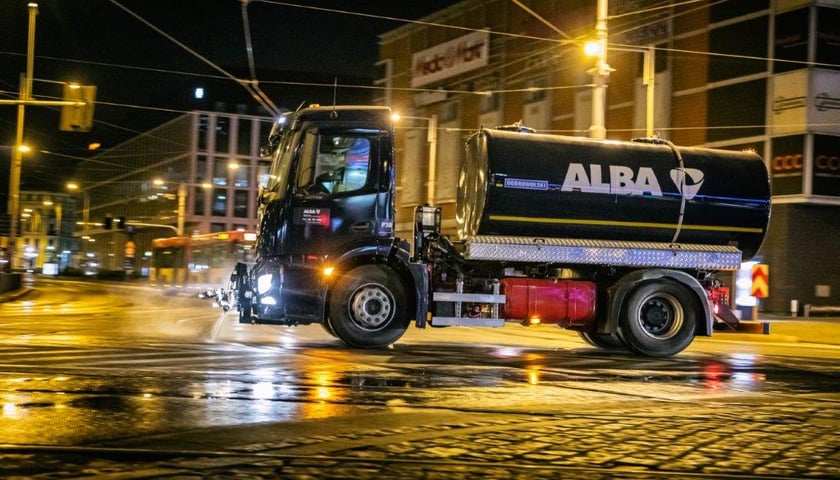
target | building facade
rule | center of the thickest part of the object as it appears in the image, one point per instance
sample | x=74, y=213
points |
x=756, y=74
x=45, y=242
x=198, y=173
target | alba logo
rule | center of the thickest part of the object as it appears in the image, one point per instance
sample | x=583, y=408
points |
x=688, y=181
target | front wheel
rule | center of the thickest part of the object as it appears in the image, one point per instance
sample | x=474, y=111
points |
x=658, y=318
x=368, y=307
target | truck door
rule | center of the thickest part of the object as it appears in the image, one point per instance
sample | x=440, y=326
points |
x=336, y=192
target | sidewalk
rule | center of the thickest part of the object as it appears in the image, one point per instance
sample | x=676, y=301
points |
x=825, y=330
x=15, y=294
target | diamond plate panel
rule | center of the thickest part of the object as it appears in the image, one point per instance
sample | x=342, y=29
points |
x=602, y=252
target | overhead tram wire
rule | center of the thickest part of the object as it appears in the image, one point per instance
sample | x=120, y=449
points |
x=249, y=52
x=248, y=85
x=260, y=97
x=405, y=20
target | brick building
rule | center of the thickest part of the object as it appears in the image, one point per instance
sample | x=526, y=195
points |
x=756, y=74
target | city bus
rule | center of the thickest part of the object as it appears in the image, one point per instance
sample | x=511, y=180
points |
x=199, y=262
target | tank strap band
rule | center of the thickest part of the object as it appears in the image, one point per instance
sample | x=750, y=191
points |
x=680, y=187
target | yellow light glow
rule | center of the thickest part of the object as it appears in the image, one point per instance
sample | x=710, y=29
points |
x=395, y=117
x=328, y=271
x=534, y=320
x=24, y=148
x=593, y=48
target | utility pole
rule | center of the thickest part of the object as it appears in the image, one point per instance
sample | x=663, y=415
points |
x=431, y=138
x=25, y=98
x=601, y=73
x=17, y=151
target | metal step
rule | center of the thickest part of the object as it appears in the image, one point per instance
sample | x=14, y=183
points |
x=468, y=297
x=467, y=322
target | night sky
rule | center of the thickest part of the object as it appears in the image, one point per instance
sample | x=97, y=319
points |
x=143, y=78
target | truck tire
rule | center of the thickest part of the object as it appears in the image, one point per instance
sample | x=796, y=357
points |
x=328, y=328
x=369, y=307
x=609, y=342
x=658, y=318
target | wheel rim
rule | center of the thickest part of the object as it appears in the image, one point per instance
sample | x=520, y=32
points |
x=660, y=316
x=372, y=307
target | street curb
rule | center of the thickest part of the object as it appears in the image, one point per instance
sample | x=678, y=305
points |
x=15, y=295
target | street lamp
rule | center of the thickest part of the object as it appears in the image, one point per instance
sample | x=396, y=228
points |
x=431, y=139
x=75, y=187
x=182, y=199
x=17, y=154
x=595, y=48
x=600, y=72
x=648, y=80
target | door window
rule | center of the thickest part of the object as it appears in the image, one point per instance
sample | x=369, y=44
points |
x=333, y=163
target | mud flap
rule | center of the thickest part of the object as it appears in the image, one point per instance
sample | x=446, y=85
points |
x=727, y=321
x=725, y=318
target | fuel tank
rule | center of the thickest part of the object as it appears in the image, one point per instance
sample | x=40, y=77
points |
x=562, y=302
x=526, y=184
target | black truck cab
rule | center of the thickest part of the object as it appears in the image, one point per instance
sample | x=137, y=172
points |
x=329, y=199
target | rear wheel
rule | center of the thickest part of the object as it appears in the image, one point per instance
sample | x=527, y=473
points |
x=658, y=318
x=609, y=342
x=368, y=307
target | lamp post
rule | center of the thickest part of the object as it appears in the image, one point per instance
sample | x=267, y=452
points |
x=19, y=150
x=182, y=200
x=75, y=187
x=648, y=80
x=600, y=72
x=431, y=140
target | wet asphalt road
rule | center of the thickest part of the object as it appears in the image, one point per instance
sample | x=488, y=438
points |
x=104, y=382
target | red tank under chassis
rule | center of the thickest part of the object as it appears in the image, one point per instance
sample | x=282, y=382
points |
x=562, y=302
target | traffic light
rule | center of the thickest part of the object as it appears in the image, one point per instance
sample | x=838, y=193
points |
x=108, y=223
x=77, y=118
x=121, y=223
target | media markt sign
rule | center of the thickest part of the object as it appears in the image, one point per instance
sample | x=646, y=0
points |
x=450, y=58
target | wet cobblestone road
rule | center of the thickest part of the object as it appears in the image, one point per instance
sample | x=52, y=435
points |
x=798, y=439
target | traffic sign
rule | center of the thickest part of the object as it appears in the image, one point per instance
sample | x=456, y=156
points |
x=760, y=281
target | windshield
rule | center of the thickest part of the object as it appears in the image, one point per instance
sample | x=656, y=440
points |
x=278, y=176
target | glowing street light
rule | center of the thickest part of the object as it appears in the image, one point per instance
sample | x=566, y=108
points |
x=75, y=187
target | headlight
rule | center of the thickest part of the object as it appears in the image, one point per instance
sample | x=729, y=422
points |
x=264, y=284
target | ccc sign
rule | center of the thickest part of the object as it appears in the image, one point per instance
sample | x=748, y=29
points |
x=787, y=163
x=822, y=163
x=826, y=163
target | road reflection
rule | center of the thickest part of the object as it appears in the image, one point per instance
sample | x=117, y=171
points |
x=119, y=371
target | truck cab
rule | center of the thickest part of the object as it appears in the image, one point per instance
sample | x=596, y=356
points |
x=328, y=203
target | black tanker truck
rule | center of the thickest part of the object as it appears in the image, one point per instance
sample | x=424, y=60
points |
x=619, y=241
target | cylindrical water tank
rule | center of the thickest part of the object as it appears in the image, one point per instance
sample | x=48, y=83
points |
x=526, y=184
